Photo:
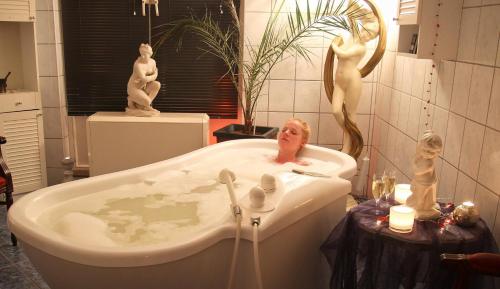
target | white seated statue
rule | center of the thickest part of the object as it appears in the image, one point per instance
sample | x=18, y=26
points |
x=424, y=182
x=142, y=86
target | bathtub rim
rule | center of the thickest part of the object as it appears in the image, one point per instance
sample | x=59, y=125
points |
x=29, y=231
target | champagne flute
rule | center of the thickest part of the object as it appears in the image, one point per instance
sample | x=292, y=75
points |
x=377, y=191
x=389, y=180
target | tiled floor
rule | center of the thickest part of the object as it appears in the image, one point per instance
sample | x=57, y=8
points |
x=16, y=271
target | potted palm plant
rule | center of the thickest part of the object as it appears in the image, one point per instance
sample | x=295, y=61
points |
x=279, y=37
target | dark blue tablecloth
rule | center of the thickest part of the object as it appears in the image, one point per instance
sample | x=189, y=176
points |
x=365, y=254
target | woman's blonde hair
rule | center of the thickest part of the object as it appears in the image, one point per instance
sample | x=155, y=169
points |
x=306, y=129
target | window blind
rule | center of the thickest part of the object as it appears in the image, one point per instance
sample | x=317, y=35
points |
x=101, y=42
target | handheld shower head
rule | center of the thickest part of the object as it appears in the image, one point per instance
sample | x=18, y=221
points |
x=225, y=176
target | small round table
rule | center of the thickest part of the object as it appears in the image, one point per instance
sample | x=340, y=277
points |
x=364, y=253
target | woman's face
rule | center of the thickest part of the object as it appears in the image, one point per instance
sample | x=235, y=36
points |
x=291, y=137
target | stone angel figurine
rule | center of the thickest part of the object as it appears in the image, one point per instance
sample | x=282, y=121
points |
x=142, y=86
x=424, y=182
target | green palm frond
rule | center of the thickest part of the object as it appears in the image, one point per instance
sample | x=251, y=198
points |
x=285, y=33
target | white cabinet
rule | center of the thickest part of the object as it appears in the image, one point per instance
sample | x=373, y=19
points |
x=17, y=10
x=429, y=28
x=24, y=151
x=117, y=141
x=20, y=107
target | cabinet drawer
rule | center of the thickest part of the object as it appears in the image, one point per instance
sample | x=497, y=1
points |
x=17, y=101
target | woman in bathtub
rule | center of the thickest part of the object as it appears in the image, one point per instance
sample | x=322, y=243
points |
x=291, y=139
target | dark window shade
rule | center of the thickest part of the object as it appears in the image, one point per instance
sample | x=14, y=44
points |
x=101, y=42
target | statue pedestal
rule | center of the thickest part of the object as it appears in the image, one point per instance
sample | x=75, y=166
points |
x=117, y=141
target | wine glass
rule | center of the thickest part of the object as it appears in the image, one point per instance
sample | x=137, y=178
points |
x=377, y=191
x=389, y=180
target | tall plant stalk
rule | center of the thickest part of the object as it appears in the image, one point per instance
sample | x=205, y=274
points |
x=279, y=38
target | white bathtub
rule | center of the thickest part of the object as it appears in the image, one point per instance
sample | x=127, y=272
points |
x=77, y=240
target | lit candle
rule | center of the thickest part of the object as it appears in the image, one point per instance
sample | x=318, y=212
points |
x=468, y=204
x=402, y=192
x=401, y=219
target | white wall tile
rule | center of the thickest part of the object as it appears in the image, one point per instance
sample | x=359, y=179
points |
x=487, y=204
x=480, y=90
x=261, y=118
x=313, y=120
x=392, y=136
x=461, y=88
x=329, y=130
x=285, y=69
x=414, y=117
x=54, y=152
x=445, y=83
x=44, y=5
x=49, y=90
x=324, y=105
x=57, y=26
x=263, y=100
x=253, y=33
x=258, y=6
x=468, y=32
x=418, y=78
x=52, y=122
x=471, y=148
x=60, y=59
x=440, y=122
x=307, y=96
x=384, y=133
x=386, y=101
x=281, y=95
x=363, y=123
x=62, y=90
x=310, y=70
x=454, y=137
x=46, y=56
x=408, y=71
x=45, y=32
x=398, y=72
x=404, y=110
x=278, y=119
x=494, y=109
x=394, y=108
x=487, y=38
x=489, y=171
x=375, y=140
x=466, y=188
x=387, y=73
x=365, y=99
x=447, y=183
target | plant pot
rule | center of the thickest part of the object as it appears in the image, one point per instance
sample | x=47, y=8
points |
x=235, y=131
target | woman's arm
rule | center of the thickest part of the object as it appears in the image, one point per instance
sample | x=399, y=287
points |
x=356, y=49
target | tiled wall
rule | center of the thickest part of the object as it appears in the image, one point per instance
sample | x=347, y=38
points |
x=464, y=110
x=295, y=86
x=52, y=86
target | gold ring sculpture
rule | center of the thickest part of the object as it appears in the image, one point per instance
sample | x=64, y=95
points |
x=351, y=127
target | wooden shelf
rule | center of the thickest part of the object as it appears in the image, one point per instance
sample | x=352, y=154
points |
x=437, y=28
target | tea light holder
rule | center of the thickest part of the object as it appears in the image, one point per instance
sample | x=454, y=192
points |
x=402, y=192
x=401, y=219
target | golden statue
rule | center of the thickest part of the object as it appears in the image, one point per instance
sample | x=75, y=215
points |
x=366, y=24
